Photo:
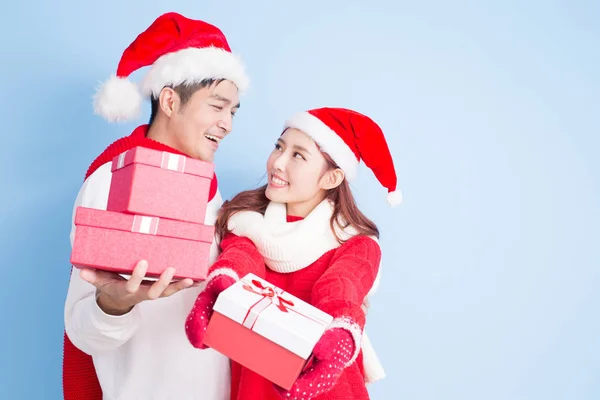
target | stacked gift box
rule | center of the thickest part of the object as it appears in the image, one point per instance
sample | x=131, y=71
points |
x=156, y=208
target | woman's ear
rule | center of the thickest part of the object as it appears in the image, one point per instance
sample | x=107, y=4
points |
x=332, y=179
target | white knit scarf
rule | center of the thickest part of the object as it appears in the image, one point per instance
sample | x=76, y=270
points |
x=289, y=246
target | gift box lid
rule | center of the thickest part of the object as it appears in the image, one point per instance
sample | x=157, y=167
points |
x=273, y=314
x=163, y=159
x=143, y=224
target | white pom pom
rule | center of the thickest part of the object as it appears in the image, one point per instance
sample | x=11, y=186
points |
x=394, y=198
x=118, y=99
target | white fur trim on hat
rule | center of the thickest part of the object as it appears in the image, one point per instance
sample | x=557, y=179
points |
x=118, y=99
x=394, y=198
x=329, y=141
x=194, y=65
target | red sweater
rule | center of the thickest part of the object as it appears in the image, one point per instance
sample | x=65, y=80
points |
x=79, y=376
x=336, y=283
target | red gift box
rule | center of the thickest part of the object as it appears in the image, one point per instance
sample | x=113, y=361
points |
x=266, y=330
x=160, y=184
x=116, y=242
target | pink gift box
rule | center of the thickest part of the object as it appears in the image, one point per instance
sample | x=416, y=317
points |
x=265, y=329
x=160, y=184
x=116, y=242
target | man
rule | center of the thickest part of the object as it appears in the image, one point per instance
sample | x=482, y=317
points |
x=132, y=330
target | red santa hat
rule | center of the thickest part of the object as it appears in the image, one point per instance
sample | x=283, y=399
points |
x=180, y=50
x=348, y=137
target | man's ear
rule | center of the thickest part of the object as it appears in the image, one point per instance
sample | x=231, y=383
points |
x=168, y=101
x=332, y=179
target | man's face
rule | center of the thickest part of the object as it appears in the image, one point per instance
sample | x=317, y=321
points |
x=198, y=126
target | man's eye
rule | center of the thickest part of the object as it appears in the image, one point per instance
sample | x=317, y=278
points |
x=217, y=107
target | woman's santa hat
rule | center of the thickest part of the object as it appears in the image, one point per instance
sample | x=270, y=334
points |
x=180, y=50
x=348, y=137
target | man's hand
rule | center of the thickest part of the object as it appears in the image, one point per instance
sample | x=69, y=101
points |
x=117, y=295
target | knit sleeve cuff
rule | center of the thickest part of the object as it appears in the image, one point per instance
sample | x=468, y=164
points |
x=222, y=271
x=354, y=329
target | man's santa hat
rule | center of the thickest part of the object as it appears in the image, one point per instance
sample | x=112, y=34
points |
x=180, y=50
x=348, y=137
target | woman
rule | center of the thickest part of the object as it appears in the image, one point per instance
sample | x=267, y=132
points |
x=304, y=225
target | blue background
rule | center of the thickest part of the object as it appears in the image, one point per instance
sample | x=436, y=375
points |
x=492, y=268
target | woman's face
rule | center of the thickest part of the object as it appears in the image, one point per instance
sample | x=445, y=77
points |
x=297, y=173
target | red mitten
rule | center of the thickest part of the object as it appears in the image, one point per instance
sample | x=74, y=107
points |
x=331, y=354
x=197, y=321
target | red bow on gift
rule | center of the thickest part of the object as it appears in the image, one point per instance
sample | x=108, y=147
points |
x=268, y=291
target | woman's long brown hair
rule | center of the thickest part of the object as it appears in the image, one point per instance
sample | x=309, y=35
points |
x=345, y=211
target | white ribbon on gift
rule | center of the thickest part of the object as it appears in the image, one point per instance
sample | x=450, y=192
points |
x=173, y=162
x=255, y=311
x=144, y=224
x=170, y=161
x=121, y=160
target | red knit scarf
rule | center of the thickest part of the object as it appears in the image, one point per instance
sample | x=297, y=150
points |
x=80, y=381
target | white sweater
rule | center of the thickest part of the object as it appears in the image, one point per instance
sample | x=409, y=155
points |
x=144, y=354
